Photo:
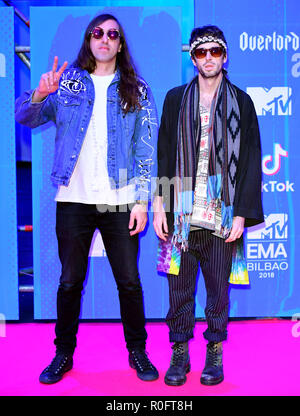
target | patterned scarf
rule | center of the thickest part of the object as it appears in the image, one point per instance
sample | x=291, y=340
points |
x=224, y=143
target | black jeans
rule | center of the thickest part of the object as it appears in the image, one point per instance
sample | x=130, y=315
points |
x=215, y=258
x=75, y=226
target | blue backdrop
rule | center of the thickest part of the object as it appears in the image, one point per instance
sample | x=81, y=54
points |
x=264, y=60
x=9, y=308
x=162, y=71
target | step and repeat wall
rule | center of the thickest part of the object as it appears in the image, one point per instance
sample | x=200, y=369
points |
x=264, y=60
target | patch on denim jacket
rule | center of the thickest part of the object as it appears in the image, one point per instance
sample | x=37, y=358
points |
x=71, y=82
x=143, y=91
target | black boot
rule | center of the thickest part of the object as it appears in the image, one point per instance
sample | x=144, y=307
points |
x=179, y=366
x=145, y=370
x=60, y=364
x=213, y=370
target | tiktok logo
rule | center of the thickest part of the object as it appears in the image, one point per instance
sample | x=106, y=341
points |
x=278, y=153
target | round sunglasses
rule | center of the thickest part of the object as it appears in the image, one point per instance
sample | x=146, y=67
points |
x=215, y=52
x=112, y=34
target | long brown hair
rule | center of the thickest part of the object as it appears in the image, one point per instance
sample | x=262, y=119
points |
x=129, y=84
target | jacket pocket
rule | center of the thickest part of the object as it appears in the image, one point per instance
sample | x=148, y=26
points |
x=68, y=108
x=68, y=100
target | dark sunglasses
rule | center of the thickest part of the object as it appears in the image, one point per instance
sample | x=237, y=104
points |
x=112, y=34
x=215, y=52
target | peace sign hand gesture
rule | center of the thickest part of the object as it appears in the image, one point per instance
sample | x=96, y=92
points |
x=49, y=81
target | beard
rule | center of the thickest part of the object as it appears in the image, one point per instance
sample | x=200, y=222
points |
x=213, y=73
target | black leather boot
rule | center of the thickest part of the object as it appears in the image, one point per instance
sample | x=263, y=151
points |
x=145, y=370
x=60, y=364
x=213, y=370
x=179, y=366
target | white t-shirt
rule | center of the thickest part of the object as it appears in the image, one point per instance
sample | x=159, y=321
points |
x=89, y=183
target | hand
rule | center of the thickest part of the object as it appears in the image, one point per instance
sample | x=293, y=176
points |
x=49, y=81
x=139, y=216
x=237, y=229
x=160, y=219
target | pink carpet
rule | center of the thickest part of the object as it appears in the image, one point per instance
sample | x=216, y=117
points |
x=261, y=358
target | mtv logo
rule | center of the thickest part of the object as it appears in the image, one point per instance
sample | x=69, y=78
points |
x=276, y=228
x=276, y=101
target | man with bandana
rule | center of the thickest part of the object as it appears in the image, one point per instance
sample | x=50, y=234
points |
x=209, y=151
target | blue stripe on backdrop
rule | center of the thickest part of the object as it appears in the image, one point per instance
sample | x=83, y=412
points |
x=154, y=54
x=9, y=308
x=264, y=60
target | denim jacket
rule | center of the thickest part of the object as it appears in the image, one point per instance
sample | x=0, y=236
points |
x=132, y=138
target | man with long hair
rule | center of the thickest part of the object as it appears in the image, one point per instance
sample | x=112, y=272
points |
x=209, y=141
x=106, y=124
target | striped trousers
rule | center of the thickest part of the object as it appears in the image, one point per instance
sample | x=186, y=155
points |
x=214, y=257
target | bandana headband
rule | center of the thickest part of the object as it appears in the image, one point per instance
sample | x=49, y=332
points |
x=205, y=39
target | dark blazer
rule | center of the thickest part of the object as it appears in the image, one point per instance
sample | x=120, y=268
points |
x=248, y=197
